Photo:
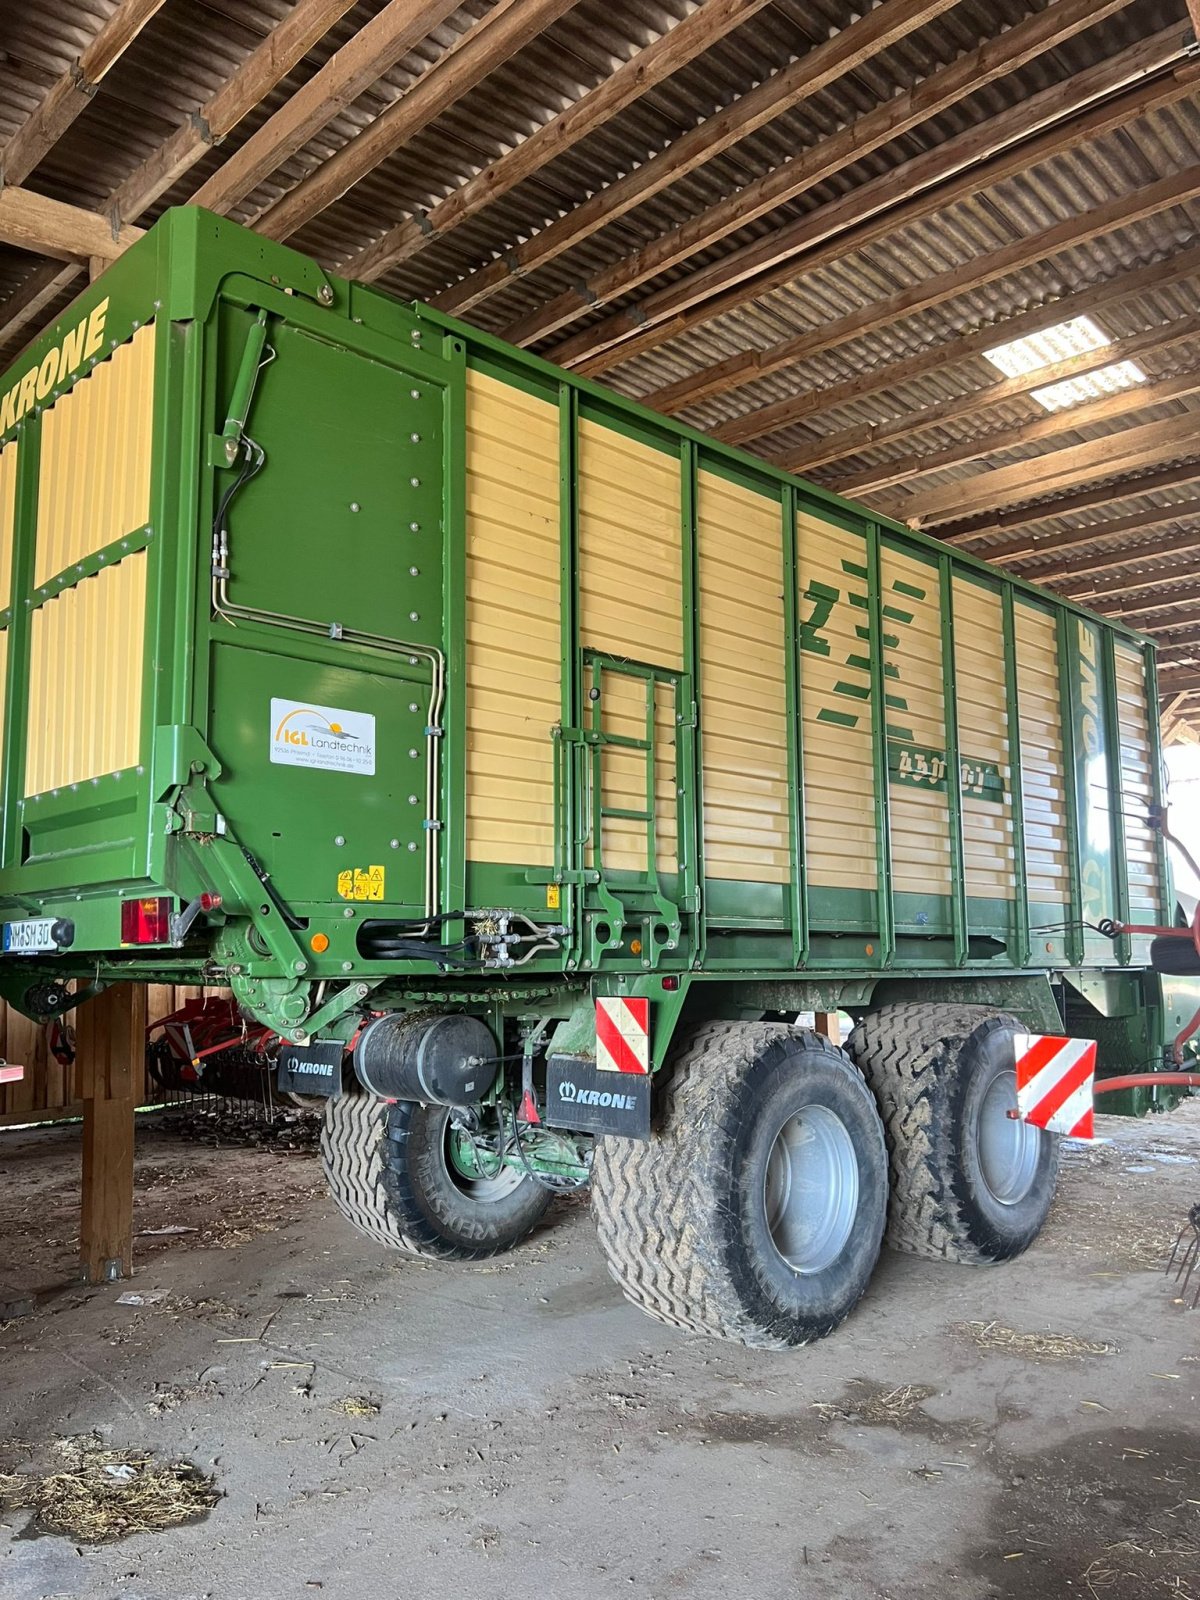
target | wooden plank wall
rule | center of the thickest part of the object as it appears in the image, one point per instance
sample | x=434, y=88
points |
x=49, y=1090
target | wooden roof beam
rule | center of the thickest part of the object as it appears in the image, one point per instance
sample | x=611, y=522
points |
x=852, y=143
x=1055, y=469
x=748, y=366
x=285, y=46
x=1139, y=397
x=504, y=30
x=50, y=228
x=869, y=436
x=1055, y=544
x=1127, y=582
x=1182, y=594
x=991, y=522
x=687, y=40
x=350, y=72
x=71, y=93
x=790, y=86
x=943, y=357
x=1183, y=681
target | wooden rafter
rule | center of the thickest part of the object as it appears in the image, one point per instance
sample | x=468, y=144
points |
x=687, y=40
x=273, y=59
x=788, y=87
x=283, y=48
x=994, y=520
x=1055, y=544
x=496, y=37
x=978, y=159
x=50, y=228
x=1047, y=426
x=736, y=371
x=867, y=436
x=371, y=52
x=850, y=144
x=1127, y=582
x=1108, y=457
x=71, y=92
x=945, y=357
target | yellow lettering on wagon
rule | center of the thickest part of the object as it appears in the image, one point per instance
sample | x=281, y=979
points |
x=80, y=343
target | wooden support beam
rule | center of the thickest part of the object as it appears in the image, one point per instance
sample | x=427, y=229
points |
x=362, y=61
x=850, y=144
x=1108, y=560
x=284, y=48
x=1184, y=681
x=1089, y=590
x=828, y=1023
x=942, y=358
x=996, y=521
x=746, y=367
x=508, y=27
x=51, y=228
x=790, y=86
x=1058, y=540
x=71, y=93
x=691, y=37
x=111, y=1049
x=1048, y=124
x=1055, y=469
x=1140, y=397
x=1182, y=594
x=273, y=59
x=867, y=436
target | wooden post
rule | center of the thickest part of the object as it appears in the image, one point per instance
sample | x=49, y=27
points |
x=110, y=1043
x=826, y=1022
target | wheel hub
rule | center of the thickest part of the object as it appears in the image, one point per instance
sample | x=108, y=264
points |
x=1008, y=1148
x=811, y=1189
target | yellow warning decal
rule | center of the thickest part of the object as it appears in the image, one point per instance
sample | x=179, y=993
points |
x=361, y=883
x=553, y=897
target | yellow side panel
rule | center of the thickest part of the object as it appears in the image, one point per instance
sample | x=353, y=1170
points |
x=1137, y=784
x=743, y=678
x=623, y=710
x=513, y=648
x=630, y=549
x=1042, y=767
x=631, y=605
x=920, y=816
x=8, y=519
x=839, y=778
x=85, y=679
x=983, y=737
x=94, y=476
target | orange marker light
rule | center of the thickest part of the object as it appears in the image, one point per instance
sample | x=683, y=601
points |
x=635, y=947
x=319, y=942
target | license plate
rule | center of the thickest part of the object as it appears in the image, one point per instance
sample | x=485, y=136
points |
x=29, y=937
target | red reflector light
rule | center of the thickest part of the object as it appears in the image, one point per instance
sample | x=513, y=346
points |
x=670, y=983
x=146, y=921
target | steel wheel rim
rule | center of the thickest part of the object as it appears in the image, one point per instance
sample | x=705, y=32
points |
x=485, y=1191
x=1008, y=1149
x=810, y=1189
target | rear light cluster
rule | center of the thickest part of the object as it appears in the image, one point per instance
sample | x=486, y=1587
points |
x=146, y=921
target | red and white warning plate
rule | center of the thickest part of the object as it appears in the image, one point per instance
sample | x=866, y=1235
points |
x=623, y=1034
x=1054, y=1083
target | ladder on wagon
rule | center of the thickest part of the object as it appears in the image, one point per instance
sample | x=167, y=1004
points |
x=633, y=825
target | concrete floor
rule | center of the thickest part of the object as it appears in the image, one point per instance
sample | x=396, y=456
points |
x=537, y=1436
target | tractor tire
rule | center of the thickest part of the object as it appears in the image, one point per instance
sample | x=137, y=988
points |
x=968, y=1183
x=756, y=1212
x=389, y=1175
x=1177, y=958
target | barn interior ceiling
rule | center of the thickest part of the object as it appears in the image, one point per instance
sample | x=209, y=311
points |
x=940, y=256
